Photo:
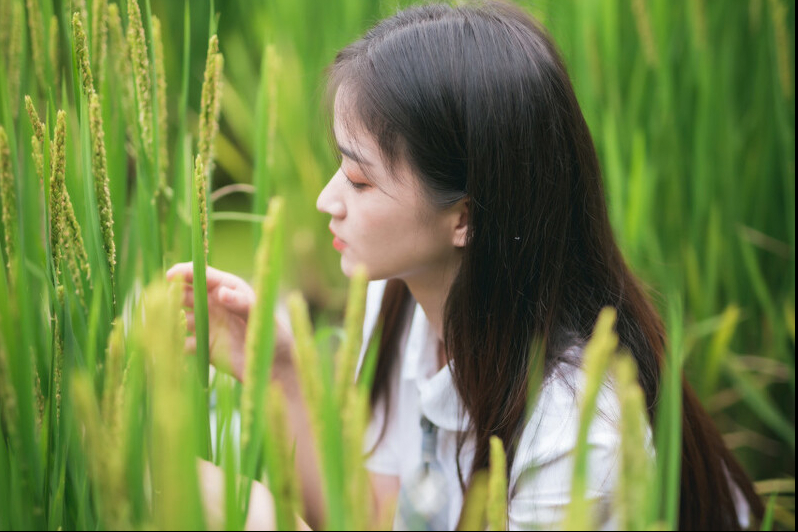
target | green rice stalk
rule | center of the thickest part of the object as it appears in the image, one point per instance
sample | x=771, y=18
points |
x=307, y=359
x=475, y=503
x=719, y=349
x=100, y=171
x=140, y=59
x=121, y=65
x=354, y=419
x=84, y=402
x=348, y=352
x=99, y=37
x=74, y=249
x=260, y=337
x=36, y=40
x=265, y=130
x=8, y=198
x=755, y=14
x=596, y=360
x=13, y=63
x=199, y=257
x=285, y=486
x=82, y=53
x=8, y=396
x=497, y=486
x=210, y=103
x=645, y=32
x=58, y=340
x=636, y=469
x=779, y=12
x=163, y=122
x=54, y=50
x=174, y=472
x=37, y=394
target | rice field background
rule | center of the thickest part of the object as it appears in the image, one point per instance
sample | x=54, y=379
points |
x=134, y=135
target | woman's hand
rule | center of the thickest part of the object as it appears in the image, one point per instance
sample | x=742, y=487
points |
x=230, y=299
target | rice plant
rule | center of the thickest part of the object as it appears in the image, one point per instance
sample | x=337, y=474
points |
x=120, y=121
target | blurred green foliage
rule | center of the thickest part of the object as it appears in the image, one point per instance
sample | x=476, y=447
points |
x=692, y=109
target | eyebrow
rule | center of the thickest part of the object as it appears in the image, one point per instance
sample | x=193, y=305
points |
x=349, y=154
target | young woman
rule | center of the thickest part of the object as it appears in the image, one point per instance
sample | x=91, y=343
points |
x=470, y=188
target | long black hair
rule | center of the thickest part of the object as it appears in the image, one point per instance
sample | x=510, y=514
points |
x=478, y=102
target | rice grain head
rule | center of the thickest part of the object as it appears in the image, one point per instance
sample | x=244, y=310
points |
x=139, y=58
x=597, y=356
x=163, y=121
x=35, y=25
x=779, y=13
x=8, y=198
x=35, y=122
x=54, y=50
x=121, y=65
x=57, y=186
x=80, y=7
x=497, y=486
x=645, y=32
x=635, y=476
x=349, y=349
x=99, y=38
x=37, y=140
x=82, y=53
x=210, y=103
x=200, y=189
x=307, y=359
x=13, y=63
x=100, y=171
x=5, y=28
x=354, y=419
x=254, y=362
x=287, y=491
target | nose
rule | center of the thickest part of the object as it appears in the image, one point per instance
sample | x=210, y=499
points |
x=330, y=199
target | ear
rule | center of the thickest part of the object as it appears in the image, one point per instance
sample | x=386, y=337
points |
x=460, y=230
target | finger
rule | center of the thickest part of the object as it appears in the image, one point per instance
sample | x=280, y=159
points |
x=235, y=301
x=181, y=269
x=190, y=321
x=190, y=345
x=188, y=297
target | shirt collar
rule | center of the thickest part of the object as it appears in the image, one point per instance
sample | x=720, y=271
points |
x=438, y=398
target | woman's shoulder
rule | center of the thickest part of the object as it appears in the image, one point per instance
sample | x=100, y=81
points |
x=552, y=426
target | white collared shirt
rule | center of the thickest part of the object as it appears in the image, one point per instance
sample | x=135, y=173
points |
x=540, y=478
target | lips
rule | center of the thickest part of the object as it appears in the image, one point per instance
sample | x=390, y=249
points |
x=338, y=244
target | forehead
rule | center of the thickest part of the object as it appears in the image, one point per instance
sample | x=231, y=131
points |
x=350, y=133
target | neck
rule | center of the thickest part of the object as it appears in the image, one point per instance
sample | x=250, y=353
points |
x=430, y=289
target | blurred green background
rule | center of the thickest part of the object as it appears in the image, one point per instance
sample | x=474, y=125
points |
x=692, y=109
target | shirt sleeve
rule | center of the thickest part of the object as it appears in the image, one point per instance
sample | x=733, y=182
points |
x=544, y=463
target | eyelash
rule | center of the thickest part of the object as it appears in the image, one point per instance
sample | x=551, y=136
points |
x=356, y=186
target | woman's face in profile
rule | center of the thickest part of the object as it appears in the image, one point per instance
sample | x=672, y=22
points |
x=382, y=219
